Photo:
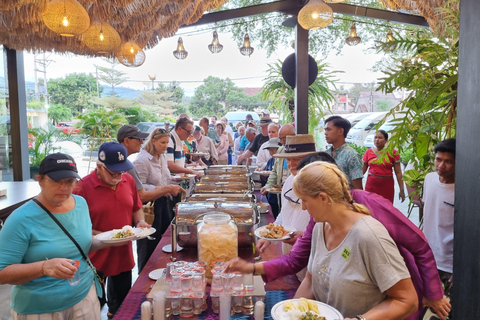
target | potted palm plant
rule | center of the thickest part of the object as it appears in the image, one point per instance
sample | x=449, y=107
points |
x=41, y=145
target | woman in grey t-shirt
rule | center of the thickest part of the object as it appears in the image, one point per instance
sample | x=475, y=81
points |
x=354, y=264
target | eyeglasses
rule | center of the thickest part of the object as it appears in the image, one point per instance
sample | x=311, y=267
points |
x=189, y=132
x=69, y=182
x=290, y=199
x=114, y=174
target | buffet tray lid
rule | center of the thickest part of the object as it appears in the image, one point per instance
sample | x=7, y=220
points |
x=224, y=197
x=189, y=213
x=223, y=187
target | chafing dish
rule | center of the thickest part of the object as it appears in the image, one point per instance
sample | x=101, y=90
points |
x=226, y=197
x=226, y=177
x=188, y=214
x=233, y=170
x=223, y=187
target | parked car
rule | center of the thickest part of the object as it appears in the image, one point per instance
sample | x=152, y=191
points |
x=235, y=116
x=363, y=128
x=150, y=126
x=354, y=118
x=68, y=127
x=387, y=126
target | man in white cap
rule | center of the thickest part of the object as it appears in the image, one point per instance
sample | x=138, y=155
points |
x=113, y=203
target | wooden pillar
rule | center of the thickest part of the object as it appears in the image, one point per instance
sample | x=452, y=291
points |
x=301, y=87
x=18, y=115
x=466, y=259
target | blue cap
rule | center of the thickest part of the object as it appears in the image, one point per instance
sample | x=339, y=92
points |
x=114, y=156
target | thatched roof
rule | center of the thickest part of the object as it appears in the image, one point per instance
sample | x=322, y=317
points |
x=144, y=22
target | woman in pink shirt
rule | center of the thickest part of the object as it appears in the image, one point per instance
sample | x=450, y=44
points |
x=380, y=177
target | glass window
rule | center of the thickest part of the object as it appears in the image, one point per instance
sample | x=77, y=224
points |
x=6, y=172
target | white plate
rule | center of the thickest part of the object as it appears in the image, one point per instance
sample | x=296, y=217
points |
x=197, y=168
x=274, y=191
x=289, y=229
x=186, y=177
x=106, y=236
x=145, y=233
x=199, y=154
x=326, y=311
x=156, y=274
x=168, y=248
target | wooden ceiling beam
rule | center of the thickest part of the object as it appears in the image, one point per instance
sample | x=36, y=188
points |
x=292, y=7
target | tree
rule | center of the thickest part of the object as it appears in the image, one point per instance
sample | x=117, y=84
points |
x=137, y=114
x=218, y=96
x=73, y=92
x=157, y=102
x=112, y=76
x=282, y=96
x=428, y=114
x=266, y=31
x=112, y=102
x=59, y=113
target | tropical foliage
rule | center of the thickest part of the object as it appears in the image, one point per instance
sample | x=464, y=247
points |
x=282, y=96
x=430, y=77
x=42, y=143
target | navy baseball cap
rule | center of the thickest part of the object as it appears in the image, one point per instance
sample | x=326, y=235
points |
x=59, y=166
x=114, y=156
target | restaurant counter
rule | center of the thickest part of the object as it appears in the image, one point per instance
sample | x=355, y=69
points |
x=18, y=192
x=278, y=290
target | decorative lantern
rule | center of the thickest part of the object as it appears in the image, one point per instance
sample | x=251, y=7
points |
x=101, y=37
x=246, y=49
x=180, y=53
x=315, y=15
x=215, y=46
x=66, y=17
x=131, y=55
x=390, y=38
x=353, y=39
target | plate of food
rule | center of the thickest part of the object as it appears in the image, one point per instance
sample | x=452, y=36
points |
x=274, y=232
x=197, y=168
x=199, y=154
x=275, y=190
x=127, y=233
x=303, y=309
x=183, y=176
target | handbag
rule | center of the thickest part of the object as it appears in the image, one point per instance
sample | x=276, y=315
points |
x=99, y=278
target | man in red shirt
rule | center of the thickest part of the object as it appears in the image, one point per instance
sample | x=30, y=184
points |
x=113, y=203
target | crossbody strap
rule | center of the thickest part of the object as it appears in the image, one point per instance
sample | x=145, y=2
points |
x=71, y=238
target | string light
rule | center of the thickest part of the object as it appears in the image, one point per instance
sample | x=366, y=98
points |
x=246, y=49
x=180, y=53
x=215, y=46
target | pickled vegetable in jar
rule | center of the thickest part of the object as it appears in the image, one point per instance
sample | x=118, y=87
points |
x=217, y=240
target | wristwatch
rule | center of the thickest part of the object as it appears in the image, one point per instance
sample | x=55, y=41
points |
x=360, y=317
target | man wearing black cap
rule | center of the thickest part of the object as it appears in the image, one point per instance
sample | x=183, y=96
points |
x=113, y=203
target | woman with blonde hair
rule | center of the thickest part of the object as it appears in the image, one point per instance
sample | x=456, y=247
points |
x=152, y=168
x=222, y=148
x=354, y=264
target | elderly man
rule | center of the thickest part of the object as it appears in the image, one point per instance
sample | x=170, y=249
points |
x=250, y=134
x=205, y=145
x=209, y=131
x=259, y=140
x=113, y=203
x=167, y=125
x=175, y=151
x=263, y=154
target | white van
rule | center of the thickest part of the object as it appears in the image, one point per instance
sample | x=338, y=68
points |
x=363, y=128
x=387, y=126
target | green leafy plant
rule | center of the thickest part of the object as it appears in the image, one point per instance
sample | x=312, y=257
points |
x=42, y=144
x=282, y=96
x=430, y=76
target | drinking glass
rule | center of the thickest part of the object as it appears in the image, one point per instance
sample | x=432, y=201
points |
x=247, y=305
x=198, y=286
x=186, y=307
x=197, y=305
x=187, y=279
x=175, y=302
x=237, y=284
x=227, y=282
x=248, y=281
x=237, y=304
x=176, y=285
x=217, y=285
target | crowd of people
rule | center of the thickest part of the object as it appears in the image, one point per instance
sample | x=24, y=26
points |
x=352, y=249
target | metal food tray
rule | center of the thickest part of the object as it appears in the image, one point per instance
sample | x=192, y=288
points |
x=225, y=197
x=226, y=177
x=232, y=169
x=223, y=187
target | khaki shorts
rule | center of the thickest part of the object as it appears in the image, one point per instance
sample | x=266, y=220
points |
x=88, y=308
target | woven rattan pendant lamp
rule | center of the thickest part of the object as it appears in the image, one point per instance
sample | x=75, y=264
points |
x=101, y=37
x=315, y=15
x=131, y=55
x=66, y=17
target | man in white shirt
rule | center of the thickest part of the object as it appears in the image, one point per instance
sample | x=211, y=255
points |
x=438, y=212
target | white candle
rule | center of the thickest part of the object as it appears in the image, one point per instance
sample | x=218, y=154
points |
x=259, y=310
x=225, y=306
x=159, y=305
x=146, y=310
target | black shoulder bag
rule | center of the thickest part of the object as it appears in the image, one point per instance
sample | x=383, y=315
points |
x=100, y=279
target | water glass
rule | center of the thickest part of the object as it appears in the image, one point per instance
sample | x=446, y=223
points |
x=76, y=277
x=198, y=286
x=237, y=284
x=168, y=272
x=248, y=281
x=247, y=305
x=200, y=264
x=227, y=282
x=217, y=285
x=186, y=307
x=237, y=304
x=197, y=305
x=176, y=285
x=168, y=306
x=215, y=303
x=187, y=279
x=175, y=302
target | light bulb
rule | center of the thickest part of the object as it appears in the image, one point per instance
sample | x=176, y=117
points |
x=101, y=36
x=65, y=21
x=315, y=15
x=131, y=49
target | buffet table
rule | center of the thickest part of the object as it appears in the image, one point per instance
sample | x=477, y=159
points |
x=278, y=290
